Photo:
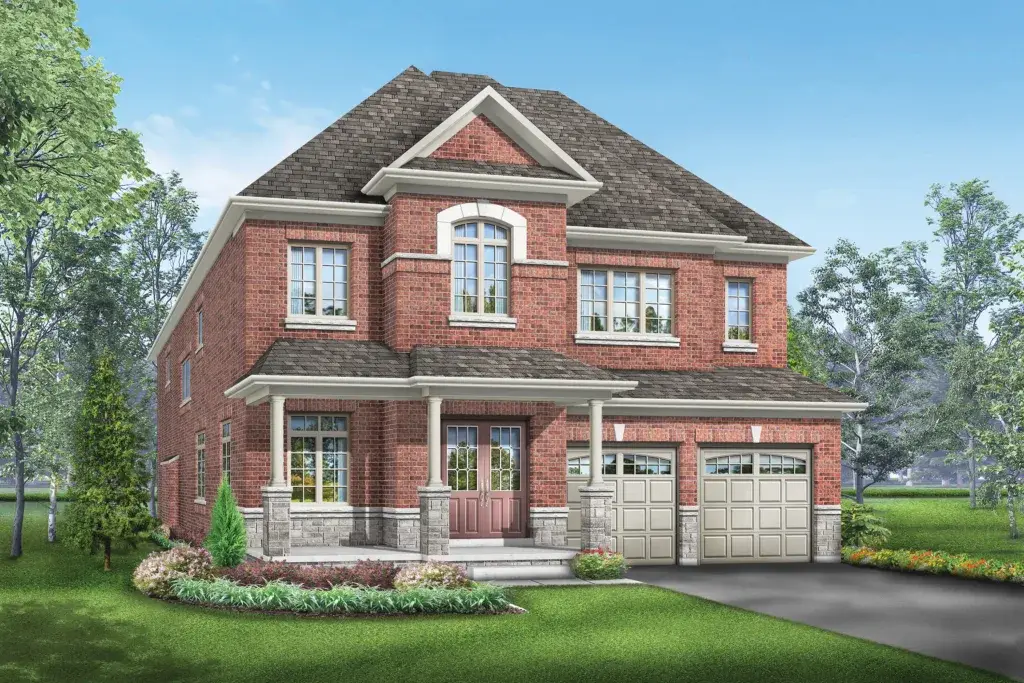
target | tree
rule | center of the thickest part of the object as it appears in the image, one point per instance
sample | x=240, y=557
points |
x=873, y=347
x=976, y=233
x=802, y=351
x=108, y=480
x=161, y=248
x=62, y=164
x=227, y=541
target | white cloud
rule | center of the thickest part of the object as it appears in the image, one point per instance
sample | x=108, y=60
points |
x=235, y=59
x=265, y=85
x=220, y=162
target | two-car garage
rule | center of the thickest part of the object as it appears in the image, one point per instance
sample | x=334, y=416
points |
x=754, y=503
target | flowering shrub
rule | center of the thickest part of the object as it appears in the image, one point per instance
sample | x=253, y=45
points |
x=935, y=562
x=432, y=575
x=599, y=564
x=155, y=574
x=365, y=573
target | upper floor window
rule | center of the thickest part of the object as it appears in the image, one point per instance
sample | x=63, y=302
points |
x=318, y=281
x=738, y=310
x=625, y=301
x=186, y=380
x=480, y=268
x=199, y=329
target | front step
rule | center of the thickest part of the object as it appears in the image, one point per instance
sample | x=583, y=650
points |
x=509, y=572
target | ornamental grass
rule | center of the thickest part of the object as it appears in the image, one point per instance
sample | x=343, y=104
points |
x=935, y=562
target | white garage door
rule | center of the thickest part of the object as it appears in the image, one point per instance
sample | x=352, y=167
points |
x=644, y=521
x=755, y=505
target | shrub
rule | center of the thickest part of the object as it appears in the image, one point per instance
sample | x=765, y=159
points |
x=160, y=538
x=155, y=574
x=935, y=562
x=989, y=494
x=367, y=573
x=432, y=575
x=479, y=598
x=31, y=496
x=861, y=526
x=599, y=564
x=909, y=492
x=227, y=541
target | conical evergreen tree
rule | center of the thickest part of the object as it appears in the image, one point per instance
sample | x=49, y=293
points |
x=227, y=540
x=108, y=478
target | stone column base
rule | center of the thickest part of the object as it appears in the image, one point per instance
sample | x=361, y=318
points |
x=549, y=526
x=277, y=501
x=596, y=516
x=826, y=540
x=435, y=502
x=688, y=535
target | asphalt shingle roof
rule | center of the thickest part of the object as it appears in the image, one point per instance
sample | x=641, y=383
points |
x=736, y=384
x=464, y=361
x=643, y=190
x=331, y=358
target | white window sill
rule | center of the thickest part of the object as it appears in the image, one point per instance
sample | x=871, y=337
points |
x=185, y=402
x=319, y=322
x=320, y=507
x=626, y=339
x=502, y=322
x=200, y=501
x=736, y=346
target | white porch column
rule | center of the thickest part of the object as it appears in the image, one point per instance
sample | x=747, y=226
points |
x=434, y=441
x=277, y=478
x=596, y=451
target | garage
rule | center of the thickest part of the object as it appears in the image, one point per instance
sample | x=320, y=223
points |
x=644, y=520
x=755, y=505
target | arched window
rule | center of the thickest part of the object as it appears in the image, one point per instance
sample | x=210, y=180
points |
x=480, y=268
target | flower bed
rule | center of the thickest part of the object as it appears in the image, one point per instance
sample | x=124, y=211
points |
x=279, y=596
x=599, y=564
x=365, y=573
x=935, y=562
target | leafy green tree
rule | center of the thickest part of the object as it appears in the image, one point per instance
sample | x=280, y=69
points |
x=108, y=489
x=803, y=354
x=227, y=540
x=62, y=163
x=874, y=347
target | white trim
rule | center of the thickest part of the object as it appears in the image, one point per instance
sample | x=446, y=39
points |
x=319, y=322
x=501, y=322
x=738, y=346
x=388, y=182
x=626, y=339
x=481, y=210
x=549, y=510
x=199, y=501
x=510, y=120
x=833, y=509
x=168, y=461
x=400, y=513
x=541, y=262
x=236, y=211
x=414, y=256
x=689, y=509
x=313, y=509
x=727, y=247
x=723, y=408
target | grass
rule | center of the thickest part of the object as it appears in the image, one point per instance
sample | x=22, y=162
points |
x=62, y=618
x=949, y=524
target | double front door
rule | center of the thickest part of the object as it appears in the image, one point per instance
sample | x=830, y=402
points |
x=487, y=474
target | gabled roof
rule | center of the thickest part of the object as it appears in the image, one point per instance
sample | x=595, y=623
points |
x=641, y=189
x=736, y=384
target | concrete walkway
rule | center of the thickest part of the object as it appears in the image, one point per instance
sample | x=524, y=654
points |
x=972, y=622
x=522, y=583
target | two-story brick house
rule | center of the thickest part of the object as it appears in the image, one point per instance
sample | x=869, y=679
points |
x=424, y=329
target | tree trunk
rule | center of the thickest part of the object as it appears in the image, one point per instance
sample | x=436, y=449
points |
x=106, y=554
x=19, y=495
x=51, y=520
x=1011, y=510
x=972, y=469
x=858, y=482
x=151, y=466
x=959, y=478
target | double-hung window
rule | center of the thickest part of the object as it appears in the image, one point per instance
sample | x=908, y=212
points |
x=480, y=269
x=225, y=451
x=318, y=458
x=624, y=302
x=738, y=310
x=318, y=281
x=201, y=465
x=186, y=380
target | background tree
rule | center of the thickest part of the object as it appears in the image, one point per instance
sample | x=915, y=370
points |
x=873, y=347
x=108, y=481
x=803, y=354
x=63, y=161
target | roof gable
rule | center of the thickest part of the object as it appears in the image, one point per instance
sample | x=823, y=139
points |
x=481, y=140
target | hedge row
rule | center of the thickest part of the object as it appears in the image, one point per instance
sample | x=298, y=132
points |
x=278, y=596
x=909, y=492
x=935, y=562
x=31, y=496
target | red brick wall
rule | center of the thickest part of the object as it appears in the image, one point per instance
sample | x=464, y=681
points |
x=689, y=433
x=481, y=140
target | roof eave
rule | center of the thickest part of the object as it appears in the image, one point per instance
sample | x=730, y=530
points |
x=728, y=408
x=724, y=247
x=389, y=181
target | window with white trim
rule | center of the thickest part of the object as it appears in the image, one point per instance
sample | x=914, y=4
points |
x=318, y=458
x=201, y=465
x=318, y=281
x=167, y=373
x=480, y=267
x=225, y=451
x=186, y=380
x=199, y=329
x=738, y=310
x=625, y=301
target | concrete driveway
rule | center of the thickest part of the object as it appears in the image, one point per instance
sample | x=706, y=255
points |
x=975, y=623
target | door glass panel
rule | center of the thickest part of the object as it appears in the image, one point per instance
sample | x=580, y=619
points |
x=771, y=463
x=505, y=459
x=462, y=458
x=335, y=470
x=303, y=469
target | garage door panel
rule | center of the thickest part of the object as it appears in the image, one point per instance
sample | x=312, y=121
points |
x=796, y=518
x=661, y=519
x=797, y=491
x=661, y=547
x=770, y=545
x=634, y=491
x=662, y=491
x=797, y=545
x=574, y=524
x=714, y=546
x=742, y=491
x=741, y=519
x=634, y=519
x=634, y=547
x=715, y=519
x=574, y=492
x=769, y=518
x=769, y=491
x=715, y=491
x=741, y=545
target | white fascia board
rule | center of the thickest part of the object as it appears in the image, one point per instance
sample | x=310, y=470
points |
x=727, y=247
x=386, y=183
x=724, y=408
x=235, y=212
x=510, y=120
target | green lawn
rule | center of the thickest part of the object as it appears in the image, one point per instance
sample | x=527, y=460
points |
x=949, y=524
x=63, y=619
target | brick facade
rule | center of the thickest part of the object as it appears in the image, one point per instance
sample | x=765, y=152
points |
x=481, y=140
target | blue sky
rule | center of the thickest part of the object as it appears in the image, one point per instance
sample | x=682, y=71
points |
x=832, y=119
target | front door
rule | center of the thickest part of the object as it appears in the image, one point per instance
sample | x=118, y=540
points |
x=488, y=479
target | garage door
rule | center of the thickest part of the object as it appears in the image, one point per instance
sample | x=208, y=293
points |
x=755, y=505
x=644, y=520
